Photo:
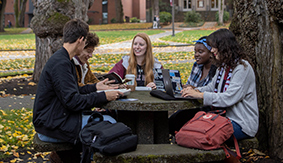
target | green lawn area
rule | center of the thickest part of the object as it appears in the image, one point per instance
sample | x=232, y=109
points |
x=27, y=41
x=187, y=36
x=16, y=131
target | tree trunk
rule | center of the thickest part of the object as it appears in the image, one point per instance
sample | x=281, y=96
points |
x=155, y=7
x=49, y=19
x=119, y=11
x=16, y=13
x=22, y=13
x=2, y=11
x=220, y=12
x=258, y=25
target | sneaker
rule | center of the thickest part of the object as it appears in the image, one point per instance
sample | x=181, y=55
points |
x=54, y=158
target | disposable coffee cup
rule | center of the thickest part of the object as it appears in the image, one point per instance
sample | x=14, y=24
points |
x=131, y=84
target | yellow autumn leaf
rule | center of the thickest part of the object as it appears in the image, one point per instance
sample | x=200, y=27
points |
x=3, y=113
x=25, y=138
x=4, y=148
x=32, y=83
x=14, y=160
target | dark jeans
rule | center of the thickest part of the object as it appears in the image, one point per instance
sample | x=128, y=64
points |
x=179, y=118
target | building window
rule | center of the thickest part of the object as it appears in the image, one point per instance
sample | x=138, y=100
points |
x=104, y=11
x=187, y=4
x=214, y=4
x=200, y=4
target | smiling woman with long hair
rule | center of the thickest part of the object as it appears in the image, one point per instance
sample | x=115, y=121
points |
x=140, y=62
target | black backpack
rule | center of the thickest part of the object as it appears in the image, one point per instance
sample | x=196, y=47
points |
x=106, y=138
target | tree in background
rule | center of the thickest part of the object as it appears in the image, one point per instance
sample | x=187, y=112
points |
x=2, y=11
x=49, y=19
x=22, y=13
x=19, y=13
x=258, y=26
x=155, y=7
x=220, y=11
x=119, y=11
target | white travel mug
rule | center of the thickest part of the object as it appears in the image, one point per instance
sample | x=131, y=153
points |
x=131, y=84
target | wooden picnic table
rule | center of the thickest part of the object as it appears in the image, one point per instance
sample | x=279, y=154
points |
x=148, y=115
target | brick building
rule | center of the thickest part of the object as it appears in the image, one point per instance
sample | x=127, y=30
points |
x=101, y=12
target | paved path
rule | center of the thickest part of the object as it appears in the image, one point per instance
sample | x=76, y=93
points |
x=17, y=102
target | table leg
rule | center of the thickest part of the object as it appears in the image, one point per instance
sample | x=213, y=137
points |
x=150, y=127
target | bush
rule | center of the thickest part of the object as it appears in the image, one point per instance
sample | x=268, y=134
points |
x=226, y=16
x=134, y=20
x=165, y=17
x=113, y=20
x=192, y=16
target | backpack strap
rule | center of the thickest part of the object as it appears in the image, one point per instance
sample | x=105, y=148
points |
x=94, y=115
x=228, y=151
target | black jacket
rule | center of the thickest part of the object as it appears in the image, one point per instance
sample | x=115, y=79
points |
x=59, y=100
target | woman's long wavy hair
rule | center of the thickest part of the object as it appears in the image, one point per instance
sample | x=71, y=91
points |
x=230, y=52
x=148, y=62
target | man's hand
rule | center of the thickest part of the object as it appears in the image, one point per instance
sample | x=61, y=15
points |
x=102, y=85
x=151, y=85
x=113, y=95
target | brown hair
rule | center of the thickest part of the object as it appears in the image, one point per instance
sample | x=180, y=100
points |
x=148, y=61
x=230, y=51
x=92, y=40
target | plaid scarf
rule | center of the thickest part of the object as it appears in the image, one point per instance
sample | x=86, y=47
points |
x=226, y=80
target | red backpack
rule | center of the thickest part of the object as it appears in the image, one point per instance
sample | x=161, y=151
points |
x=207, y=131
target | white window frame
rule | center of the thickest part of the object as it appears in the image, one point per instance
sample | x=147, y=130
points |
x=187, y=9
x=216, y=4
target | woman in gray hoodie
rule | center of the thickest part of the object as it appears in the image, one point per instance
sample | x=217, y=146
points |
x=233, y=87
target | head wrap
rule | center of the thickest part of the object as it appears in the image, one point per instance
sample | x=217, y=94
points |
x=203, y=41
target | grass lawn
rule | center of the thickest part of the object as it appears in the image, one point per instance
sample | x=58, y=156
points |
x=27, y=41
x=122, y=26
x=16, y=131
x=187, y=36
x=9, y=31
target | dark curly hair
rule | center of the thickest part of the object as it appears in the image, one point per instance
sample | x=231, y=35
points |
x=230, y=51
x=92, y=40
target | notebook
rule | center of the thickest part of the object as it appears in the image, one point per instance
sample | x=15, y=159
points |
x=172, y=83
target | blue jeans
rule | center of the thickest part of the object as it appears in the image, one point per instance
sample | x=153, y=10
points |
x=84, y=122
x=238, y=133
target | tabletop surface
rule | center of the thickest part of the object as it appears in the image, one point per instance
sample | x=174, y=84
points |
x=146, y=102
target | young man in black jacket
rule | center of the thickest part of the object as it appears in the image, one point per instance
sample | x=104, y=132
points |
x=59, y=101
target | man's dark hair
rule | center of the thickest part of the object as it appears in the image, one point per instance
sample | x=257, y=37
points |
x=74, y=29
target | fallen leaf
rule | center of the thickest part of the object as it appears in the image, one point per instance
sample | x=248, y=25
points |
x=258, y=152
x=32, y=83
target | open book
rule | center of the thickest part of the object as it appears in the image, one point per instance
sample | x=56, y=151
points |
x=126, y=92
x=116, y=77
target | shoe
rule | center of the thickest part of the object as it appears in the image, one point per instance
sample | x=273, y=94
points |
x=54, y=158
